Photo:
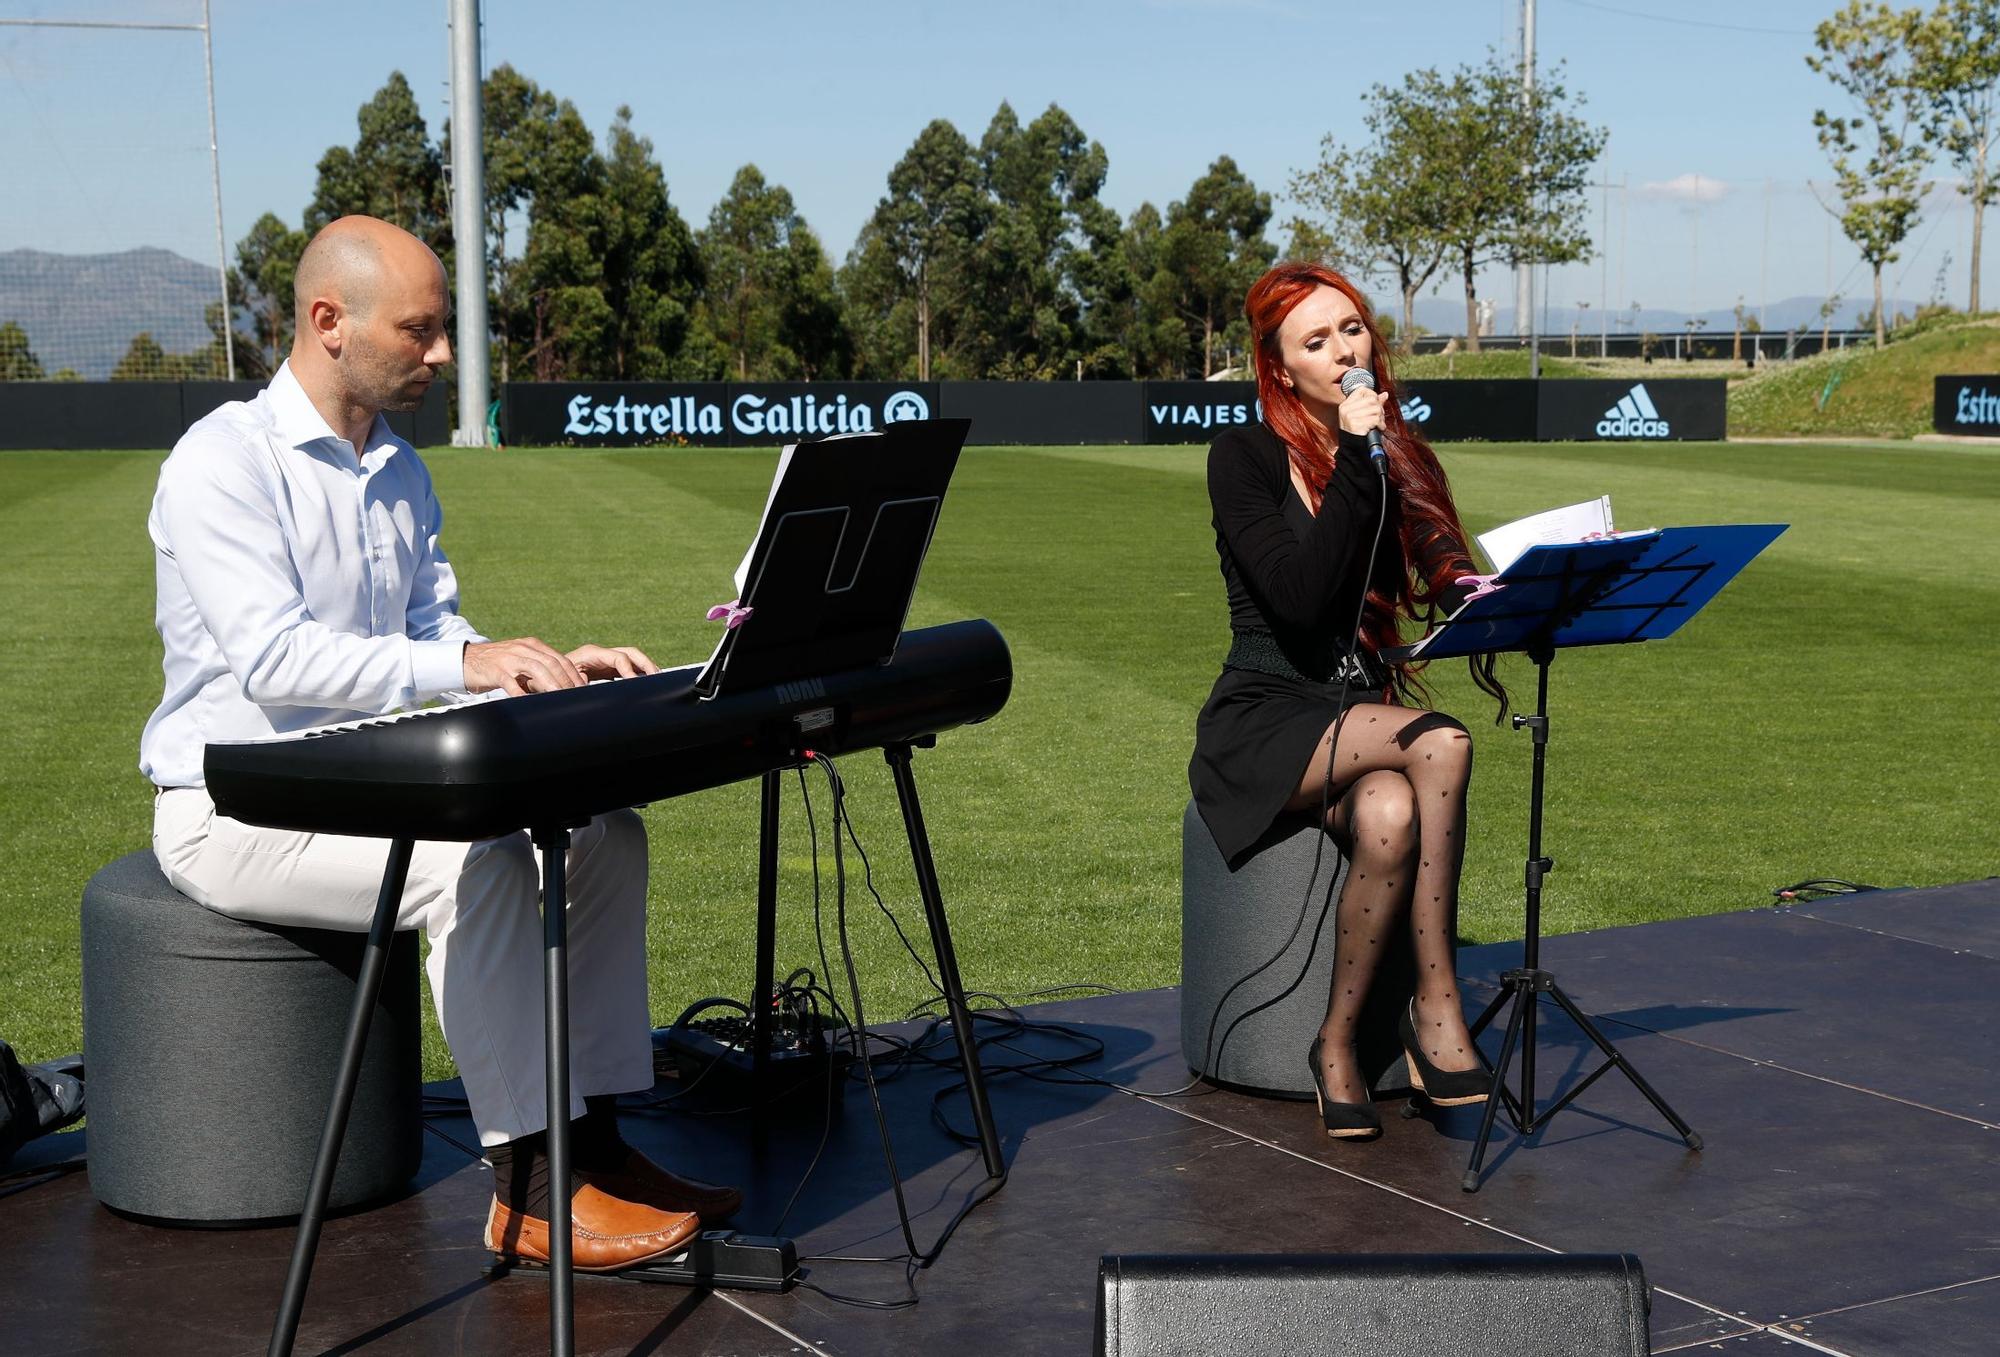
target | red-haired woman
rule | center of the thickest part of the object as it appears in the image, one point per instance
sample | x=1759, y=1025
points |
x=1299, y=724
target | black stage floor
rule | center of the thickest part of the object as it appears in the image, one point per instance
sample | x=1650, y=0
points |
x=1841, y=1060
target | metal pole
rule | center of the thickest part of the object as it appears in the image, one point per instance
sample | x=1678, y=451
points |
x=1524, y=286
x=215, y=177
x=468, y=223
x=1604, y=270
x=1764, y=258
x=554, y=844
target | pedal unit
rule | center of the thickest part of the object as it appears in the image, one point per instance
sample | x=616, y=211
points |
x=720, y=1259
x=730, y=1261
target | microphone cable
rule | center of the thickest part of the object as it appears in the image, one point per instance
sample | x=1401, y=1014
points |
x=1212, y=1054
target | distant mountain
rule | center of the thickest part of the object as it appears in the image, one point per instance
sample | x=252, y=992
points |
x=1446, y=316
x=81, y=310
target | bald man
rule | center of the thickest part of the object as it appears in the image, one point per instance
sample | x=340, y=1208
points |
x=300, y=583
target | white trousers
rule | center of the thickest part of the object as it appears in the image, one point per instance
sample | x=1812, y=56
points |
x=478, y=905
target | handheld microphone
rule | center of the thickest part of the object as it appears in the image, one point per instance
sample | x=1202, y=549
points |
x=1359, y=379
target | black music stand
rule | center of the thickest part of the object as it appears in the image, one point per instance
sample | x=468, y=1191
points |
x=830, y=580
x=1636, y=587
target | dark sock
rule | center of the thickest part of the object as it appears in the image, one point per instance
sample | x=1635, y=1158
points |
x=521, y=1166
x=521, y=1175
x=598, y=1146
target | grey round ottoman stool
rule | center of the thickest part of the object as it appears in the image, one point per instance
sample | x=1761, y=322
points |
x=210, y=1048
x=1233, y=921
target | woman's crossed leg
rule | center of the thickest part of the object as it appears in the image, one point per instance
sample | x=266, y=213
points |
x=1398, y=810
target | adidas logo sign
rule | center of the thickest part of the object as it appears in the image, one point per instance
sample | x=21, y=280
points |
x=1633, y=417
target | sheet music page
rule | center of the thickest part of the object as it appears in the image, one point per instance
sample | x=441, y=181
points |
x=1571, y=523
x=742, y=575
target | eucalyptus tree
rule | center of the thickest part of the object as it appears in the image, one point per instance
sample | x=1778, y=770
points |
x=1210, y=252
x=393, y=171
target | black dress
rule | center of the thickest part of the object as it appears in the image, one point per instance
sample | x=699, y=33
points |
x=1294, y=582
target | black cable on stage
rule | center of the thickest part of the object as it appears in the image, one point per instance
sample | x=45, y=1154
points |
x=914, y=1258
x=1821, y=885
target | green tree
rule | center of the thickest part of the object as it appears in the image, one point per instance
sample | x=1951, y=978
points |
x=1212, y=250
x=745, y=232
x=267, y=264
x=932, y=216
x=1041, y=181
x=1509, y=170
x=17, y=361
x=1384, y=202
x=1955, y=60
x=393, y=171
x=145, y=361
x=652, y=267
x=770, y=301
x=1155, y=340
x=555, y=321
x=1866, y=50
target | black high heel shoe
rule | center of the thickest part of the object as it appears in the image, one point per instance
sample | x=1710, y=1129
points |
x=1441, y=1088
x=1344, y=1121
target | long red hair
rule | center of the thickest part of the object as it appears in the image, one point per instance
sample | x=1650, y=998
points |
x=1432, y=540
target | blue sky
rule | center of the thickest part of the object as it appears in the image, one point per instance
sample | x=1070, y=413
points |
x=1706, y=101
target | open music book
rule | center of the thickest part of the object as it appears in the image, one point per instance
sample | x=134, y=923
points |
x=1583, y=522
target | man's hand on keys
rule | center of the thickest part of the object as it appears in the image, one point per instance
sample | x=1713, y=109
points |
x=529, y=665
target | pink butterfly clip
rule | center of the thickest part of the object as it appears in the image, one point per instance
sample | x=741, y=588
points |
x=731, y=614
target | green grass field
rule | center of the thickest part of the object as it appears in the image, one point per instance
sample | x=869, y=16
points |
x=1830, y=714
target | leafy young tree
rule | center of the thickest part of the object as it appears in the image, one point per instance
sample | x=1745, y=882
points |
x=1510, y=169
x=1878, y=157
x=17, y=361
x=1372, y=204
x=1955, y=60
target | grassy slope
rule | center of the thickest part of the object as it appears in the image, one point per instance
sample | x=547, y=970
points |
x=1879, y=394
x=1830, y=714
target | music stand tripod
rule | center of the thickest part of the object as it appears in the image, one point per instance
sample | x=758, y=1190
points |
x=1606, y=592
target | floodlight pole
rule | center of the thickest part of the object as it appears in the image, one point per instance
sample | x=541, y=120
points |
x=1524, y=270
x=468, y=223
x=215, y=178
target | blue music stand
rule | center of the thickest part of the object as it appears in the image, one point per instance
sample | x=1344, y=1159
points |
x=1634, y=587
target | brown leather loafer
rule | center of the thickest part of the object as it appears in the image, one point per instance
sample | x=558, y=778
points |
x=639, y=1179
x=606, y=1234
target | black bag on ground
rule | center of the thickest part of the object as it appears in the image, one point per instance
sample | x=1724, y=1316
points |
x=36, y=1099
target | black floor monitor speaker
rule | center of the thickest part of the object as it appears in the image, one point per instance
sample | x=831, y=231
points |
x=1382, y=1305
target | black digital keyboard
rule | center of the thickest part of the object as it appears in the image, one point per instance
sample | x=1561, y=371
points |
x=554, y=759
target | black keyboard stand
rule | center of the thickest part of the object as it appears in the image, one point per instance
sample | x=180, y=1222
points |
x=367, y=987
x=553, y=840
x=898, y=757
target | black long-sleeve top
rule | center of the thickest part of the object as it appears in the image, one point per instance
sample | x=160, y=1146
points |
x=1289, y=572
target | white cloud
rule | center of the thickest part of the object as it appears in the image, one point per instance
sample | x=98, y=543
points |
x=1687, y=188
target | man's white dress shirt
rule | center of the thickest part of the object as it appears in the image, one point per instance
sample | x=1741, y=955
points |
x=298, y=583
